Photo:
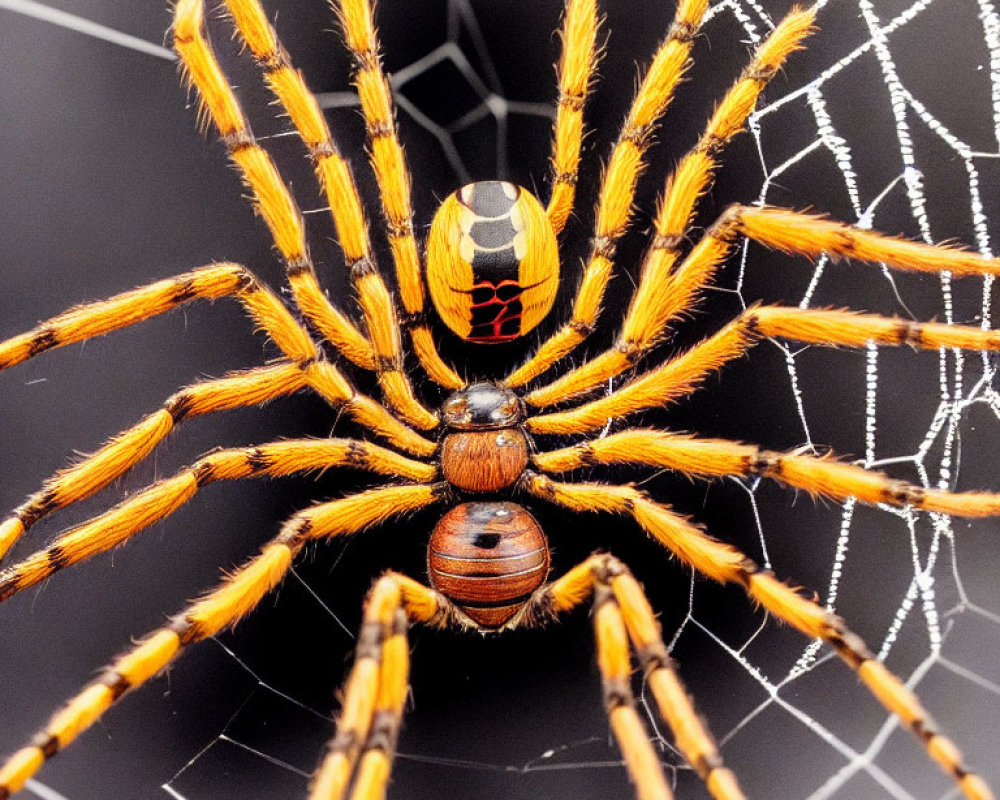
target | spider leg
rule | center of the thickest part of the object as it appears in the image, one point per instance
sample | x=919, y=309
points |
x=621, y=175
x=691, y=180
x=376, y=688
x=124, y=451
x=615, y=664
x=822, y=477
x=808, y=235
x=335, y=177
x=273, y=201
x=219, y=609
x=812, y=235
x=576, y=71
x=161, y=499
x=724, y=563
x=389, y=165
x=680, y=375
x=207, y=283
x=375, y=691
x=613, y=585
x=279, y=210
x=266, y=310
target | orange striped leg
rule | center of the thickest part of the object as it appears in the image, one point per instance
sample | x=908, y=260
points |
x=648, y=312
x=810, y=236
x=724, y=563
x=376, y=689
x=614, y=208
x=682, y=374
x=216, y=611
x=342, y=197
x=389, y=164
x=693, y=739
x=813, y=235
x=613, y=658
x=149, y=506
x=124, y=451
x=272, y=199
x=208, y=283
x=576, y=72
x=614, y=584
x=823, y=477
x=266, y=310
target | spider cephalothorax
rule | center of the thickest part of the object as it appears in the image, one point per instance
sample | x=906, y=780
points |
x=492, y=271
x=484, y=447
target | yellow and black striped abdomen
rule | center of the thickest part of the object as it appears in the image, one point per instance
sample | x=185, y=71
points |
x=492, y=262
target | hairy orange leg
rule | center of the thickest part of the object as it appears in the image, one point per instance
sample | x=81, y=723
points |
x=682, y=374
x=823, y=477
x=212, y=282
x=393, y=177
x=693, y=178
x=576, y=73
x=811, y=236
x=124, y=451
x=675, y=705
x=361, y=752
x=158, y=501
x=724, y=563
x=128, y=308
x=613, y=659
x=375, y=692
x=614, y=584
x=614, y=207
x=272, y=199
x=335, y=178
x=216, y=611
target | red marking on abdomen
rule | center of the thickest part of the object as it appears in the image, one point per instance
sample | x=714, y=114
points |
x=496, y=312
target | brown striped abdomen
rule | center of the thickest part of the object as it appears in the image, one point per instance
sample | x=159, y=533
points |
x=488, y=558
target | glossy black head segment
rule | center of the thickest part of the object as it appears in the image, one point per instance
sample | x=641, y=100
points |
x=481, y=406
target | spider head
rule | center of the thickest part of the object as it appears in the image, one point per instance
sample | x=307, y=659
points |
x=482, y=406
x=492, y=262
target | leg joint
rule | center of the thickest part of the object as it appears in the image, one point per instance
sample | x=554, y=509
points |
x=632, y=350
x=617, y=693
x=604, y=247
x=605, y=568
x=415, y=319
x=298, y=266
x=683, y=32
x=728, y=225
x=384, y=730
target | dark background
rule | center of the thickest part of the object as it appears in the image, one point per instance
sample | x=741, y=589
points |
x=107, y=185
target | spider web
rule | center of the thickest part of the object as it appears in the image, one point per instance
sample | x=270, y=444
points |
x=891, y=120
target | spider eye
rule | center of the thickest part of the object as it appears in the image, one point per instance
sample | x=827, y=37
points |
x=492, y=262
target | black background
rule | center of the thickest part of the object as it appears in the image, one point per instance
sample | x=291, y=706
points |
x=107, y=185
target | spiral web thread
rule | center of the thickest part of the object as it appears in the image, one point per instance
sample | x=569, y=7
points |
x=964, y=385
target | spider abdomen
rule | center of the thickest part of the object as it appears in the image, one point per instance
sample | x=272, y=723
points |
x=492, y=262
x=488, y=558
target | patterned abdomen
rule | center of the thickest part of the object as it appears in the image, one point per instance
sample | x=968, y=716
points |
x=487, y=558
x=492, y=262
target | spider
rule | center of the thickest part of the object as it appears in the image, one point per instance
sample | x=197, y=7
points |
x=491, y=270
